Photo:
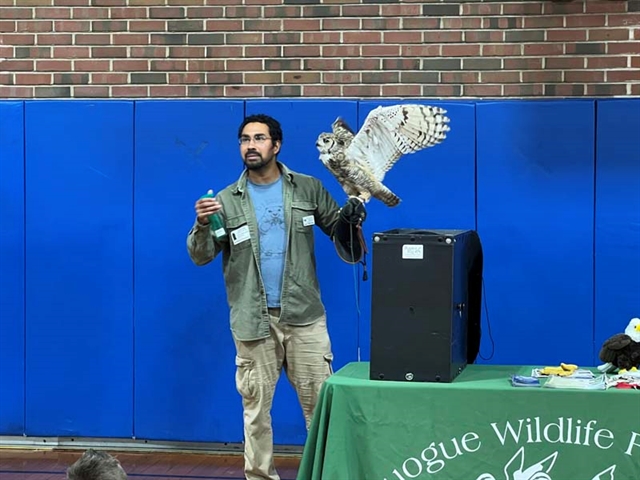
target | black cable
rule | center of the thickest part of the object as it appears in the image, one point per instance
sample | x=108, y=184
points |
x=493, y=349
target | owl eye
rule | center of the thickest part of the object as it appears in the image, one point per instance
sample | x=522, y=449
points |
x=325, y=140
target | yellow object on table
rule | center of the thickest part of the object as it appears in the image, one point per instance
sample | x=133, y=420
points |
x=564, y=370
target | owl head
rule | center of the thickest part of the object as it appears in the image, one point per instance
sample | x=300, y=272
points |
x=326, y=143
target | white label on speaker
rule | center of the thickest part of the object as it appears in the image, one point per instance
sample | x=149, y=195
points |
x=413, y=252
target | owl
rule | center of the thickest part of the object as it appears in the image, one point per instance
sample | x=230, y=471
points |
x=359, y=161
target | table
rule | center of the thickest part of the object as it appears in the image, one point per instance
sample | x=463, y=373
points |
x=477, y=428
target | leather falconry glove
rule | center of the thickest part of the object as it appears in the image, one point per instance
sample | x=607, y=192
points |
x=347, y=235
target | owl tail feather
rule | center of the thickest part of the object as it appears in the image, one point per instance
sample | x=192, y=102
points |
x=385, y=195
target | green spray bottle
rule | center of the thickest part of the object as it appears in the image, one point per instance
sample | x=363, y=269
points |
x=215, y=221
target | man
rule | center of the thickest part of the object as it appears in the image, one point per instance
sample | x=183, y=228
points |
x=96, y=465
x=277, y=316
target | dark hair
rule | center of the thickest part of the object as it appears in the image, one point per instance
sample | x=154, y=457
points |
x=96, y=465
x=275, y=130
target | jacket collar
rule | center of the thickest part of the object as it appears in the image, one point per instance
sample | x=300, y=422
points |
x=241, y=184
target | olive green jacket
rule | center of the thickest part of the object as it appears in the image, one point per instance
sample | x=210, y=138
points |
x=306, y=202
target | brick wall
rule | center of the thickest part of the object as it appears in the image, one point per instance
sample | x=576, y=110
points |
x=311, y=48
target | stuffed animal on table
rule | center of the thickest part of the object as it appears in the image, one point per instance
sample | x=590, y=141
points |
x=622, y=351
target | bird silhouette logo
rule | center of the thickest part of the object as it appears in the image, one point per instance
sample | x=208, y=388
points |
x=515, y=469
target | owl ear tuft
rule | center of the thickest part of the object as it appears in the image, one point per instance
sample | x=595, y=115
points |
x=339, y=122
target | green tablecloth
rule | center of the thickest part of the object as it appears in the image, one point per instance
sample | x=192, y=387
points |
x=477, y=428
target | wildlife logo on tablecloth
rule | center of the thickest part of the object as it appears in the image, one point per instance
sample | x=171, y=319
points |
x=542, y=470
x=544, y=450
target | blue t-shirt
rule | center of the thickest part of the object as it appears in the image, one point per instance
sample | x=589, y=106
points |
x=269, y=207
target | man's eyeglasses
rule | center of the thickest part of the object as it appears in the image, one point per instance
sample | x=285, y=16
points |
x=258, y=139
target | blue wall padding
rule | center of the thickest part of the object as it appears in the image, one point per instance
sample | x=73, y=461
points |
x=535, y=164
x=79, y=269
x=436, y=187
x=302, y=121
x=184, y=369
x=12, y=268
x=617, y=281
x=118, y=334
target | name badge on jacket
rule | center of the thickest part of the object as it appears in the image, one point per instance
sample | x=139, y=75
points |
x=240, y=235
x=308, y=220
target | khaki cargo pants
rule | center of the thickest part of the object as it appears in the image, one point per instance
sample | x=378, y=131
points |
x=305, y=354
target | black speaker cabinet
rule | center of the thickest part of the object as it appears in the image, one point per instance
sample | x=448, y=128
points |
x=425, y=304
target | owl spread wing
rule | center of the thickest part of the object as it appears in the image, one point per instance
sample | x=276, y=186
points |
x=388, y=133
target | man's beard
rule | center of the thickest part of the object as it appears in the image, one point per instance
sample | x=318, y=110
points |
x=257, y=162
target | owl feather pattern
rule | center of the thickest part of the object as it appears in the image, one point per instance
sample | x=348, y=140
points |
x=359, y=161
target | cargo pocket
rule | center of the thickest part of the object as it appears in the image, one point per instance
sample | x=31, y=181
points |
x=245, y=375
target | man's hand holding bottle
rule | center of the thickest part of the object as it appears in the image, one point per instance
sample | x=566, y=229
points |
x=208, y=212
